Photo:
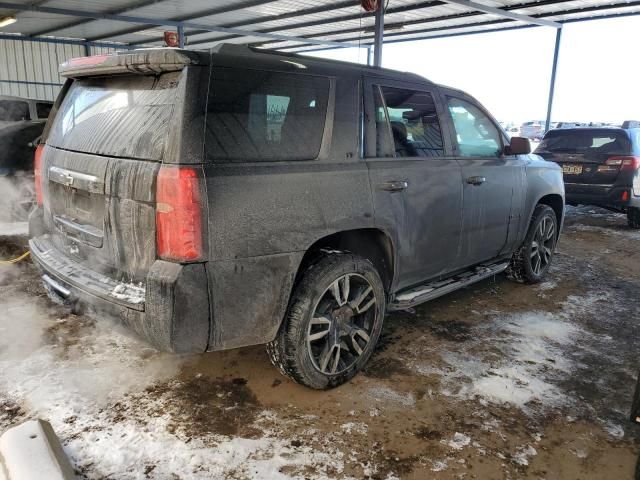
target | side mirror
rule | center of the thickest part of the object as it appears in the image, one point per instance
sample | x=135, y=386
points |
x=518, y=146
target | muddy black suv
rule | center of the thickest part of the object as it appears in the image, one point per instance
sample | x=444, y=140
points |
x=601, y=166
x=236, y=197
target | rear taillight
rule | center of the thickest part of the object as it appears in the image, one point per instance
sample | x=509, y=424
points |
x=624, y=162
x=179, y=214
x=37, y=173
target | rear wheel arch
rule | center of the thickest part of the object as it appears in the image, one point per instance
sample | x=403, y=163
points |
x=370, y=243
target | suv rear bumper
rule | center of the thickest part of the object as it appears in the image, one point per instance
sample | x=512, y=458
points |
x=171, y=311
x=605, y=195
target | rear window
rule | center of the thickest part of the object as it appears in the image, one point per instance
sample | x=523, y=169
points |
x=257, y=115
x=13, y=110
x=43, y=109
x=117, y=116
x=585, y=141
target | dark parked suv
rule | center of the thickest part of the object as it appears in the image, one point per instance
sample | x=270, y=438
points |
x=601, y=166
x=236, y=197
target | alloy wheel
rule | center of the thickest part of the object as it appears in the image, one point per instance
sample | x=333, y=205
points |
x=342, y=324
x=542, y=245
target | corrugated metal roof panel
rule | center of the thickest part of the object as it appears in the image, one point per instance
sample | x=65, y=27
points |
x=286, y=17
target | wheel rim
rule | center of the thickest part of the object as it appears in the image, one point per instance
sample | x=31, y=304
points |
x=342, y=324
x=542, y=245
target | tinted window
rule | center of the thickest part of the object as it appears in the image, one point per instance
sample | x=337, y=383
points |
x=414, y=123
x=13, y=111
x=116, y=116
x=260, y=116
x=585, y=141
x=476, y=134
x=43, y=109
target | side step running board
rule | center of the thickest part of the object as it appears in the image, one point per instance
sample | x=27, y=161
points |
x=430, y=291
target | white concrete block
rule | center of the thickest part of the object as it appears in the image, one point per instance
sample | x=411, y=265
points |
x=32, y=451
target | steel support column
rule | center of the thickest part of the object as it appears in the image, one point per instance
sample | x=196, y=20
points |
x=180, y=36
x=552, y=86
x=379, y=35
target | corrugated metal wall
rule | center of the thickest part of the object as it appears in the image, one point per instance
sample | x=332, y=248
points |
x=30, y=69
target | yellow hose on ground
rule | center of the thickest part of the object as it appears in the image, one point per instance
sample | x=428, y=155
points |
x=15, y=260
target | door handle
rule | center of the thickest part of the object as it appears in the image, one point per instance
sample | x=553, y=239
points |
x=394, y=185
x=476, y=180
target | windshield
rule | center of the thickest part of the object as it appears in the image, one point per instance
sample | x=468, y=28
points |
x=609, y=142
x=116, y=116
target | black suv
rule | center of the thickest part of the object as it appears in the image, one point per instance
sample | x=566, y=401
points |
x=601, y=166
x=218, y=199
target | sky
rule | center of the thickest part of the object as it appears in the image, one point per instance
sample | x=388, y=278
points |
x=509, y=72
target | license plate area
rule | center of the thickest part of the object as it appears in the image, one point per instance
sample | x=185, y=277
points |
x=77, y=213
x=571, y=169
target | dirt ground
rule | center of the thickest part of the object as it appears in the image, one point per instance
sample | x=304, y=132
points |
x=499, y=380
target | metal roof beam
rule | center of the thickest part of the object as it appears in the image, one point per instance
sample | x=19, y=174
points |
x=194, y=16
x=169, y=23
x=301, y=49
x=47, y=31
x=365, y=40
x=282, y=16
x=324, y=21
x=422, y=21
x=504, y=13
x=62, y=41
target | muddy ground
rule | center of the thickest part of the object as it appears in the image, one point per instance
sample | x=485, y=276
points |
x=499, y=380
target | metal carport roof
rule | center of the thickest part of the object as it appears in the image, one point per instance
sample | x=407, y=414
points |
x=264, y=22
x=290, y=25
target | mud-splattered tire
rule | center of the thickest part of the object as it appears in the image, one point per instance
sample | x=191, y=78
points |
x=633, y=217
x=532, y=260
x=333, y=322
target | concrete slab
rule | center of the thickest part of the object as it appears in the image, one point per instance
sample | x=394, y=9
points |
x=32, y=450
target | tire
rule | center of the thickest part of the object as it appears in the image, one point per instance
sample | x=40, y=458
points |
x=530, y=263
x=633, y=217
x=302, y=350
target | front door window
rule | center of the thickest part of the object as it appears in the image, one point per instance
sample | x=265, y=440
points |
x=476, y=134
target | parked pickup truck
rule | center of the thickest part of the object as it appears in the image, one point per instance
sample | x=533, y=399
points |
x=213, y=200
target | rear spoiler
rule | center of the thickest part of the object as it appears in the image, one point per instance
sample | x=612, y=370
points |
x=142, y=62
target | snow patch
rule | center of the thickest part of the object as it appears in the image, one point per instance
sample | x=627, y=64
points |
x=529, y=354
x=439, y=466
x=355, y=427
x=523, y=455
x=632, y=234
x=382, y=393
x=129, y=292
x=616, y=431
x=14, y=229
x=459, y=441
x=90, y=379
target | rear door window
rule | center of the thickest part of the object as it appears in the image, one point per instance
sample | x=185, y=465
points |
x=414, y=123
x=587, y=141
x=123, y=116
x=255, y=115
x=13, y=110
x=476, y=134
